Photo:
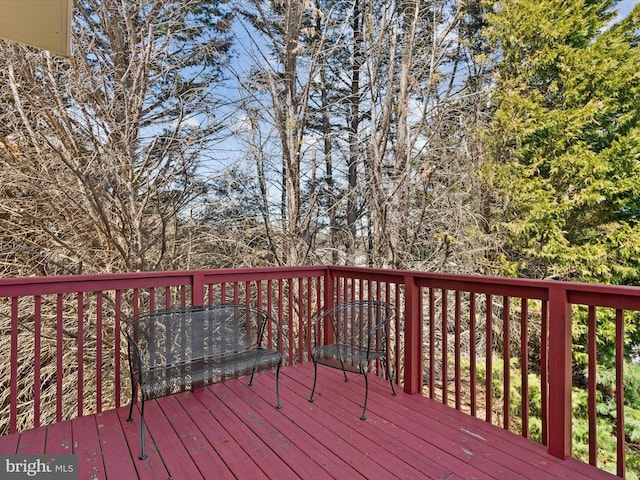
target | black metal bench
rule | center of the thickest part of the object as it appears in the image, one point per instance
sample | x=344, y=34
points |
x=351, y=337
x=179, y=349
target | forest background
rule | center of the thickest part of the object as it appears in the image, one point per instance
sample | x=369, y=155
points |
x=493, y=138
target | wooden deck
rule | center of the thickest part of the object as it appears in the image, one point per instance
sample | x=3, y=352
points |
x=229, y=430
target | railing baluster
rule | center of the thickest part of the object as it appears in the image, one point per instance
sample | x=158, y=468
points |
x=472, y=352
x=396, y=350
x=290, y=320
x=457, y=350
x=524, y=365
x=544, y=370
x=117, y=330
x=432, y=342
x=591, y=386
x=80, y=346
x=489, y=361
x=13, y=382
x=37, y=345
x=152, y=299
x=301, y=322
x=60, y=349
x=620, y=452
x=280, y=306
x=98, y=351
x=506, y=361
x=307, y=324
x=445, y=346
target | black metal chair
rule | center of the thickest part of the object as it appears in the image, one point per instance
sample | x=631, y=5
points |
x=351, y=336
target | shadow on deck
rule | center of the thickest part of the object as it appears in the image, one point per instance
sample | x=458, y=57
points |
x=230, y=430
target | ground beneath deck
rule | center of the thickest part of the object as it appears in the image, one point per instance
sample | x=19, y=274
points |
x=230, y=430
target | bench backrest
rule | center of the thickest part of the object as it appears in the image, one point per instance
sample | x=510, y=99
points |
x=363, y=324
x=178, y=335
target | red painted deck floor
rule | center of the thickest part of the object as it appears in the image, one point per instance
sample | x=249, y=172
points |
x=229, y=430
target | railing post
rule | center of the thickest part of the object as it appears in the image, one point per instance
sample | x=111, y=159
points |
x=413, y=337
x=560, y=374
x=329, y=290
x=197, y=289
x=329, y=302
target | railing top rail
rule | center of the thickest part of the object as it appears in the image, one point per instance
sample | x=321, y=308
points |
x=11, y=287
x=615, y=296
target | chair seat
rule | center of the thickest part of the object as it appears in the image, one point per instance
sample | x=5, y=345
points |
x=349, y=357
x=358, y=332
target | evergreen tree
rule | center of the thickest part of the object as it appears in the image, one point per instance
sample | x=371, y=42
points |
x=567, y=139
x=567, y=159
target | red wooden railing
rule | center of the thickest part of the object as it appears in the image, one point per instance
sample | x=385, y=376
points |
x=467, y=341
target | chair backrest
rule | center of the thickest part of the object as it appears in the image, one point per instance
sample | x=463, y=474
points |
x=172, y=336
x=363, y=324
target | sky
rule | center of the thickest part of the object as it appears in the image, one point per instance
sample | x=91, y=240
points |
x=625, y=6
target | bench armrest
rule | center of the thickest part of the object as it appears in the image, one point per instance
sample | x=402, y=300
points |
x=173, y=336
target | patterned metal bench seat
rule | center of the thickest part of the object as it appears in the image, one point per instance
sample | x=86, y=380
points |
x=179, y=349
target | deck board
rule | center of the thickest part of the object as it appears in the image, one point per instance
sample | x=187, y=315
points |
x=152, y=467
x=195, y=441
x=167, y=440
x=309, y=452
x=33, y=440
x=114, y=446
x=86, y=444
x=59, y=439
x=332, y=435
x=374, y=437
x=9, y=444
x=231, y=430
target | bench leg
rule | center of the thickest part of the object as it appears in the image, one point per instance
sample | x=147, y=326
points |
x=278, y=404
x=143, y=455
x=134, y=391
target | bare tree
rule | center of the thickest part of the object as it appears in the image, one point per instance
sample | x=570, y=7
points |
x=285, y=110
x=421, y=177
x=392, y=95
x=101, y=149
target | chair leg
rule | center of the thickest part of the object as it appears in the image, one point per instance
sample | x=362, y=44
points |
x=252, y=374
x=366, y=396
x=315, y=377
x=133, y=397
x=278, y=404
x=143, y=455
x=393, y=390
